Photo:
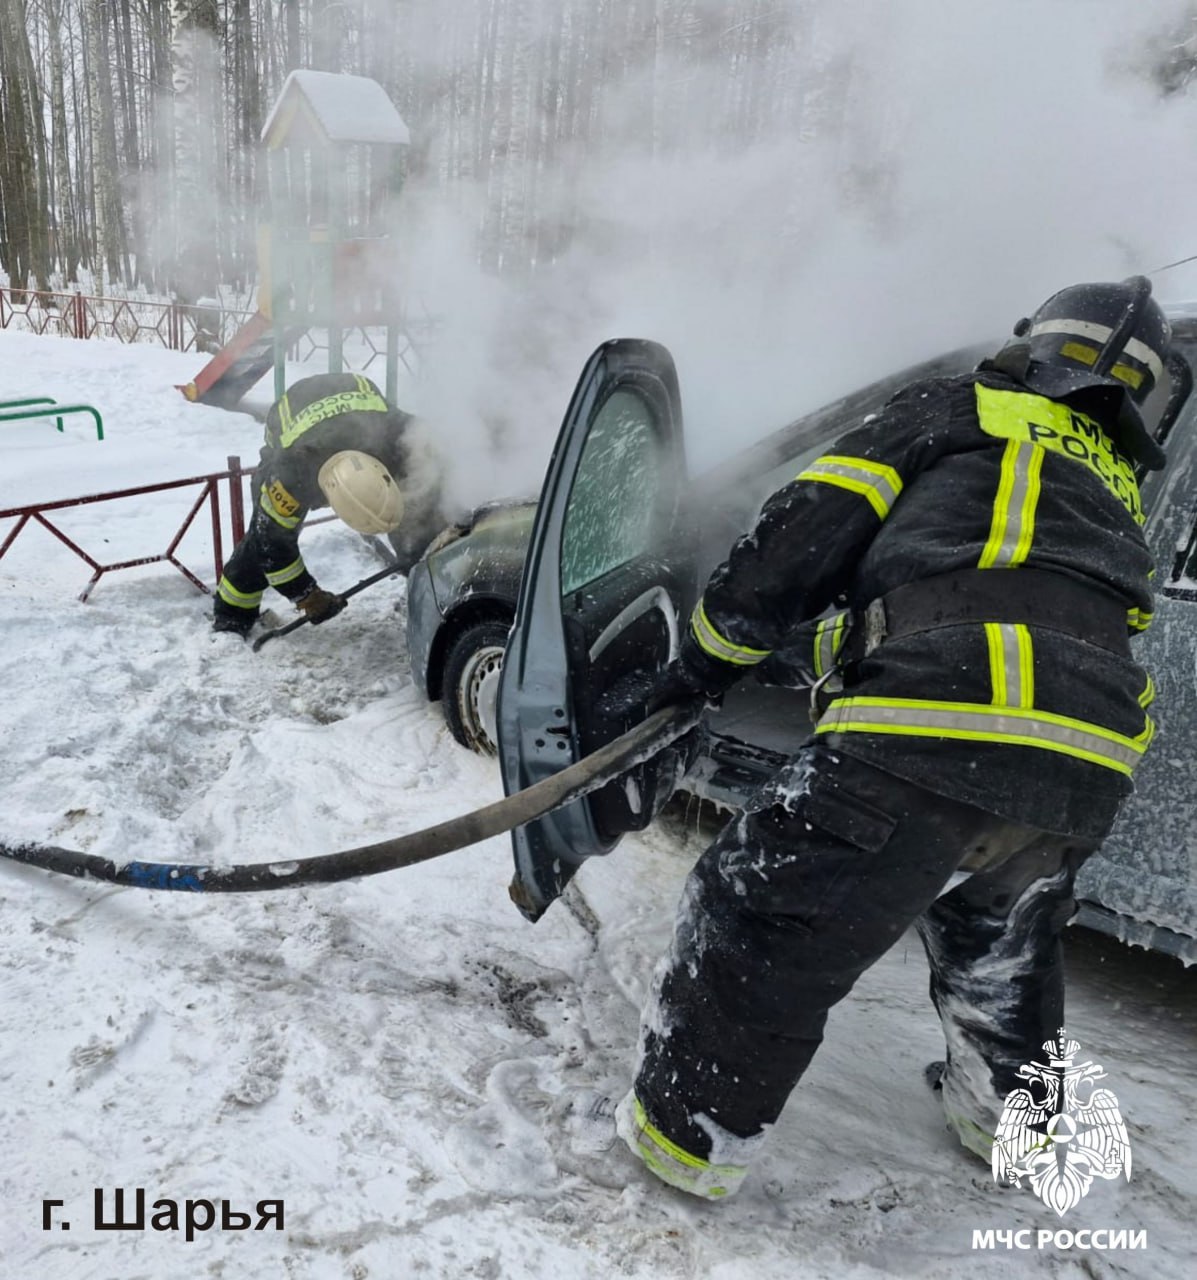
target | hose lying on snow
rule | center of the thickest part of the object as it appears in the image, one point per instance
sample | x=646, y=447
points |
x=573, y=782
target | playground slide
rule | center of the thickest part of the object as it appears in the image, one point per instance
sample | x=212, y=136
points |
x=236, y=367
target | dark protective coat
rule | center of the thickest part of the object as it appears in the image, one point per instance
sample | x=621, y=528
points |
x=958, y=473
x=318, y=417
x=989, y=747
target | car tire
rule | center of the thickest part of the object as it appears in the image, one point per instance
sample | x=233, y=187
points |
x=470, y=685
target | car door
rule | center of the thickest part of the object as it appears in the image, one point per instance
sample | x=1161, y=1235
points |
x=1143, y=883
x=605, y=585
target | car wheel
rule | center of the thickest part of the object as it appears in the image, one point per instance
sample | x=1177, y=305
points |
x=470, y=687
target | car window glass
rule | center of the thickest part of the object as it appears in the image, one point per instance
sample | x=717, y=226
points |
x=613, y=508
x=1167, y=397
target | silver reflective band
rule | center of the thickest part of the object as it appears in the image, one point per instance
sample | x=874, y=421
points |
x=1011, y=664
x=1101, y=333
x=291, y=572
x=878, y=483
x=829, y=635
x=710, y=641
x=238, y=599
x=977, y=722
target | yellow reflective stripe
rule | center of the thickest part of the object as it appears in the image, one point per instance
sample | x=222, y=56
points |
x=1012, y=527
x=1101, y=333
x=289, y=574
x=1124, y=373
x=1011, y=664
x=1139, y=619
x=829, y=636
x=284, y=414
x=710, y=641
x=997, y=663
x=879, y=483
x=238, y=599
x=978, y=1140
x=972, y=721
x=266, y=502
x=318, y=411
x=675, y=1165
x=1034, y=420
x=1147, y=697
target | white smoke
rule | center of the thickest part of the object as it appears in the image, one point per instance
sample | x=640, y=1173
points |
x=977, y=158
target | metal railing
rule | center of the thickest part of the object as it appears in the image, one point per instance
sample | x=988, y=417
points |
x=35, y=513
x=81, y=315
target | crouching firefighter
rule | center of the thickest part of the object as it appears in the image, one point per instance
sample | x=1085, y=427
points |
x=979, y=719
x=332, y=440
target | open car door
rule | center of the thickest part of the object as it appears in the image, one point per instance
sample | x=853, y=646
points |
x=605, y=583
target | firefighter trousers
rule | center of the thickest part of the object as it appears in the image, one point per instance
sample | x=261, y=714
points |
x=826, y=868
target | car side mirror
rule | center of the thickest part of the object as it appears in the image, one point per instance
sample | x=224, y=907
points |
x=1182, y=584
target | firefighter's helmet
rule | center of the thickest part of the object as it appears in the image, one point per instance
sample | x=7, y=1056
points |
x=1097, y=335
x=361, y=491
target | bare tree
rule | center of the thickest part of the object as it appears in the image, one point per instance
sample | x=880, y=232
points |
x=24, y=185
x=198, y=172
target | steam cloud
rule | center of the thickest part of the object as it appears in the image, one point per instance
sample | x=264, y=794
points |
x=982, y=156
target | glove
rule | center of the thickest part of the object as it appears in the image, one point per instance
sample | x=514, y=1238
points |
x=320, y=605
x=635, y=697
x=678, y=684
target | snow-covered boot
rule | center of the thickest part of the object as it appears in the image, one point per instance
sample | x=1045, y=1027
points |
x=704, y=1178
x=973, y=1136
x=232, y=624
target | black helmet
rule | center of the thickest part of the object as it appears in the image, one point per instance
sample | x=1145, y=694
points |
x=1097, y=335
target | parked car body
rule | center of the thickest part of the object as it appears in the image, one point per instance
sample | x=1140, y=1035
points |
x=521, y=621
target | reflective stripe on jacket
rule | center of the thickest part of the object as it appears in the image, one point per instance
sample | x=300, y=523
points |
x=960, y=473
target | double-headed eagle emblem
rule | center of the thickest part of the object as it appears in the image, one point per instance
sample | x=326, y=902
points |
x=1061, y=1130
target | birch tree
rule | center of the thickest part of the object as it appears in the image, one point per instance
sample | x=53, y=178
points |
x=24, y=194
x=198, y=177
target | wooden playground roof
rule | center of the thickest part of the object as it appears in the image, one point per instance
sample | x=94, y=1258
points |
x=323, y=109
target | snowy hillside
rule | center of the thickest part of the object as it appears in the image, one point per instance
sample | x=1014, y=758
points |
x=389, y=1057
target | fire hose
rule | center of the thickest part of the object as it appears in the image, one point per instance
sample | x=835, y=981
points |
x=572, y=783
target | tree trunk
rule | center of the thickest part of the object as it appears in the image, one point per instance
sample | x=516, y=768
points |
x=294, y=56
x=65, y=206
x=24, y=183
x=110, y=233
x=198, y=175
x=130, y=139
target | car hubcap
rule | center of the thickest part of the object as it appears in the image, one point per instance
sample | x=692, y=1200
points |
x=479, y=697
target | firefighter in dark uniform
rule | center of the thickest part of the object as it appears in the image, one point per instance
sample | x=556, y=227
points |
x=979, y=719
x=332, y=440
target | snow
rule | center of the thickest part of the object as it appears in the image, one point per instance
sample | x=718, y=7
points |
x=346, y=108
x=390, y=1056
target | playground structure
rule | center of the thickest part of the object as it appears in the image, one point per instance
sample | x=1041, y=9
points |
x=335, y=149
x=45, y=407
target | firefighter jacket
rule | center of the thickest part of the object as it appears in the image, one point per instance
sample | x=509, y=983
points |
x=318, y=417
x=968, y=473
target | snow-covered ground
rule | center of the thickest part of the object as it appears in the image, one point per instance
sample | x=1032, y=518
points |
x=385, y=1056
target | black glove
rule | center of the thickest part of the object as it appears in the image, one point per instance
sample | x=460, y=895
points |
x=629, y=702
x=320, y=605
x=678, y=684
x=635, y=697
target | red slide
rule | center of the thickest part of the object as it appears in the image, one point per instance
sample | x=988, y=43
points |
x=236, y=367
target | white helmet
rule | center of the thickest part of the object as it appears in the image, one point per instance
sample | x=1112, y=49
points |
x=361, y=491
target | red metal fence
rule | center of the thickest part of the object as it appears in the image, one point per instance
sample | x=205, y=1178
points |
x=81, y=315
x=209, y=494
